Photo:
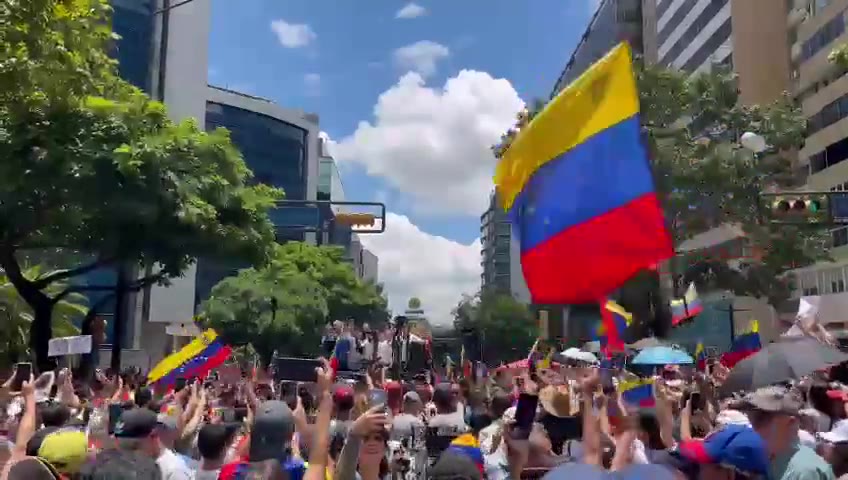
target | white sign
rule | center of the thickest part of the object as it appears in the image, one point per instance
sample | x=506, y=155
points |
x=77, y=345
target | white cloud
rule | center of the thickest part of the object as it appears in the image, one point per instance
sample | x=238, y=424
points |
x=413, y=263
x=293, y=35
x=313, y=84
x=421, y=57
x=411, y=10
x=434, y=143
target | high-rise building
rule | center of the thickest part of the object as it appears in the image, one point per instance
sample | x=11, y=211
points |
x=282, y=148
x=500, y=254
x=158, y=52
x=750, y=36
x=817, y=27
x=614, y=21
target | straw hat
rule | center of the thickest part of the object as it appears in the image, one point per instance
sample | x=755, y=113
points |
x=556, y=402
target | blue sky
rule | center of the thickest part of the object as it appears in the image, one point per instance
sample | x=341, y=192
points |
x=412, y=94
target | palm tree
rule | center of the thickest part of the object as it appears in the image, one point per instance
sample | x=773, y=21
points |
x=16, y=315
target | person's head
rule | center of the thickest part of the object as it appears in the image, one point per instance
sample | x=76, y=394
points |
x=272, y=430
x=394, y=395
x=166, y=430
x=343, y=401
x=649, y=431
x=730, y=451
x=412, y=403
x=499, y=404
x=137, y=431
x=374, y=448
x=444, y=399
x=774, y=414
x=143, y=396
x=66, y=450
x=213, y=440
x=33, y=468
x=54, y=414
x=120, y=465
x=454, y=466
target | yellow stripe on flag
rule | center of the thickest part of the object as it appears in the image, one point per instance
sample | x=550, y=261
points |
x=603, y=96
x=175, y=360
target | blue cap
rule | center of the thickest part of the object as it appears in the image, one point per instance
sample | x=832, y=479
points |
x=735, y=446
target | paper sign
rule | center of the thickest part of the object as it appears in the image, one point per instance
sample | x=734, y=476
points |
x=76, y=345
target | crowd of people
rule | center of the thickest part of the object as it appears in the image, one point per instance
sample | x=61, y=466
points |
x=559, y=423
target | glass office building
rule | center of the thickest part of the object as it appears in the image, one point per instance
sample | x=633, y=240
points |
x=276, y=151
x=133, y=21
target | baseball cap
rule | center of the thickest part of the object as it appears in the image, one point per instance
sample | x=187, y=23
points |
x=838, y=434
x=411, y=397
x=342, y=393
x=136, y=423
x=774, y=399
x=735, y=446
x=732, y=417
x=166, y=421
x=273, y=427
x=66, y=450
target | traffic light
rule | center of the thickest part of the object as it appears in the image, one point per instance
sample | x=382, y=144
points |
x=356, y=219
x=799, y=207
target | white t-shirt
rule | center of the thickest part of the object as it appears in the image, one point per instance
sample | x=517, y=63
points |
x=172, y=467
x=384, y=352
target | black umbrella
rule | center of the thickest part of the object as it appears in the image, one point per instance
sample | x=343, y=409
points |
x=787, y=359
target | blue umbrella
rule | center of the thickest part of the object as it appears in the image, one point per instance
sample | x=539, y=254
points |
x=662, y=356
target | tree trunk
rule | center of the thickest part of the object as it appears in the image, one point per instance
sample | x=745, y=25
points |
x=119, y=319
x=42, y=306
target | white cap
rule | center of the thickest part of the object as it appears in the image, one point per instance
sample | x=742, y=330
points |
x=838, y=434
x=732, y=417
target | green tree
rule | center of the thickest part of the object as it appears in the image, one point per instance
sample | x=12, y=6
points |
x=705, y=178
x=272, y=308
x=347, y=296
x=17, y=316
x=285, y=305
x=505, y=326
x=92, y=165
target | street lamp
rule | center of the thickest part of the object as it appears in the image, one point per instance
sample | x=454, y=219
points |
x=753, y=142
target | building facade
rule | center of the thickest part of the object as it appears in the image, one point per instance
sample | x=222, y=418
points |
x=158, y=52
x=500, y=254
x=613, y=22
x=282, y=148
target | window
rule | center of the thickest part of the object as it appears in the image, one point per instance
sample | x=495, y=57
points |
x=808, y=283
x=832, y=280
x=133, y=21
x=835, y=153
x=828, y=32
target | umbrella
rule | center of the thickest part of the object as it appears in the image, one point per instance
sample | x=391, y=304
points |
x=662, y=356
x=788, y=359
x=648, y=343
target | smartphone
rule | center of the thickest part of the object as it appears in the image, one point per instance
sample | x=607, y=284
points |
x=180, y=384
x=525, y=414
x=696, y=401
x=23, y=372
x=377, y=397
x=115, y=412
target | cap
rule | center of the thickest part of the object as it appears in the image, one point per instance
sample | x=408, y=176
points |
x=273, y=427
x=136, y=423
x=66, y=450
x=775, y=399
x=33, y=467
x=453, y=465
x=468, y=446
x=735, y=446
x=342, y=392
x=839, y=394
x=838, y=434
x=732, y=417
x=412, y=397
x=166, y=421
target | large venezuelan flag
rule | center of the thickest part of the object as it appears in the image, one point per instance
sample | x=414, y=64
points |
x=196, y=359
x=743, y=346
x=578, y=186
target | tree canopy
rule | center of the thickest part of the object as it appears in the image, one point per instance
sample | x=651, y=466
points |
x=705, y=178
x=504, y=326
x=285, y=305
x=91, y=164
